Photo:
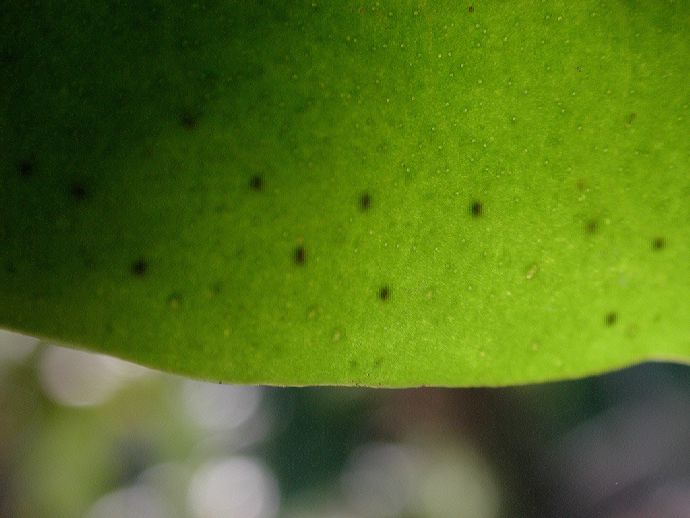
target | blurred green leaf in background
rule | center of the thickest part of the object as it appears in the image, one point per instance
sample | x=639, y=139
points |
x=85, y=435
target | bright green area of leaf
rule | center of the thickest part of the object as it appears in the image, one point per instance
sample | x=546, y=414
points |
x=353, y=193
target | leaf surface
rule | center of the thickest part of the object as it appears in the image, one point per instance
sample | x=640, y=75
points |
x=386, y=194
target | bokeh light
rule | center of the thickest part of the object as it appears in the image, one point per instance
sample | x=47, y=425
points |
x=239, y=487
x=132, y=502
x=216, y=407
x=87, y=435
x=379, y=480
x=80, y=378
x=15, y=347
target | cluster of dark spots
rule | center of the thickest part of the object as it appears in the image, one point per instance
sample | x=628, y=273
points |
x=139, y=267
x=470, y=9
x=658, y=243
x=25, y=168
x=384, y=293
x=300, y=255
x=611, y=318
x=476, y=209
x=77, y=191
x=188, y=121
x=256, y=183
x=365, y=201
x=591, y=226
x=631, y=117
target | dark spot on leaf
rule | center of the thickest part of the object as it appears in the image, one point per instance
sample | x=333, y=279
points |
x=139, y=267
x=88, y=260
x=256, y=183
x=10, y=268
x=188, y=121
x=25, y=168
x=591, y=226
x=470, y=9
x=631, y=118
x=476, y=209
x=378, y=362
x=353, y=364
x=658, y=243
x=78, y=191
x=384, y=293
x=7, y=57
x=582, y=185
x=365, y=201
x=611, y=318
x=174, y=300
x=300, y=255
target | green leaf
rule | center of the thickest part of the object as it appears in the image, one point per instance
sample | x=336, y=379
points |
x=375, y=193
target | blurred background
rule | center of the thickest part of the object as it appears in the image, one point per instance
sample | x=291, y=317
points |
x=88, y=435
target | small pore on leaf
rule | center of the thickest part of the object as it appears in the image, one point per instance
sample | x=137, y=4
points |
x=256, y=183
x=77, y=191
x=188, y=121
x=476, y=209
x=611, y=318
x=591, y=226
x=365, y=201
x=25, y=168
x=300, y=256
x=174, y=300
x=384, y=293
x=139, y=267
x=658, y=243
